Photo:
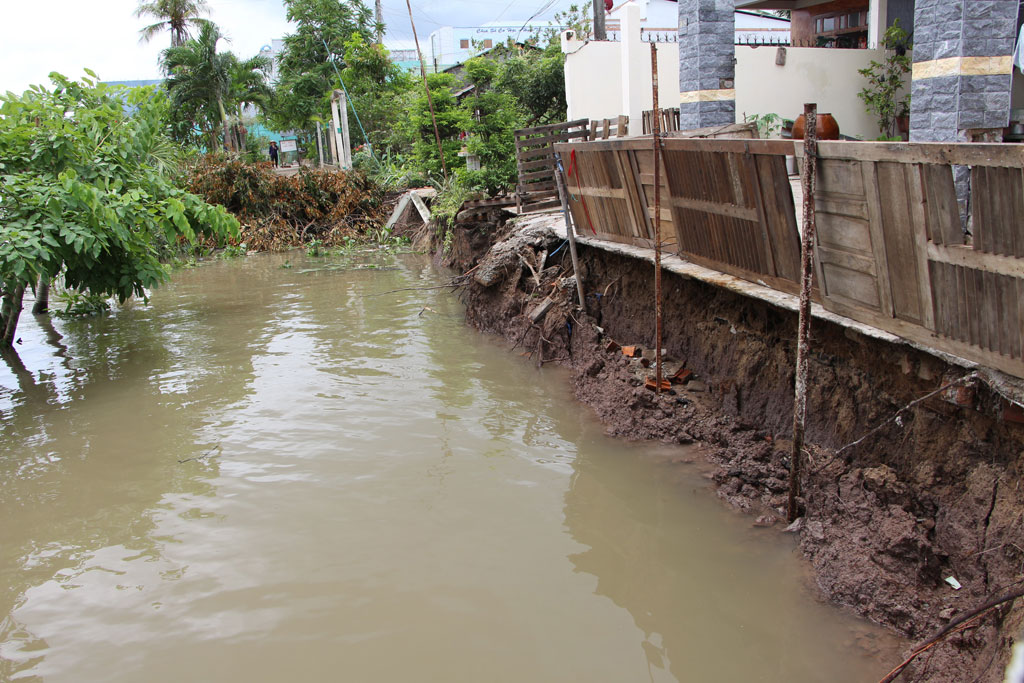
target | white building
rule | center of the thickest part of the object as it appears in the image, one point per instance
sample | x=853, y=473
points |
x=659, y=21
x=272, y=51
x=452, y=45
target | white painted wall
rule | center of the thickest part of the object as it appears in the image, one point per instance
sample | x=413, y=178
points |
x=598, y=86
x=604, y=79
x=827, y=77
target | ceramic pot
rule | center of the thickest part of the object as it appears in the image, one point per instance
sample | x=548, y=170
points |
x=828, y=129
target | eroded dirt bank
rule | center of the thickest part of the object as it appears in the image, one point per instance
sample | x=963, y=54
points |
x=885, y=523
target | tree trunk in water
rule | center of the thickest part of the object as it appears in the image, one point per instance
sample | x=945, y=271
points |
x=42, y=304
x=5, y=309
x=12, y=318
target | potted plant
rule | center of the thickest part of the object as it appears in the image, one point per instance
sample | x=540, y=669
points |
x=903, y=117
x=885, y=81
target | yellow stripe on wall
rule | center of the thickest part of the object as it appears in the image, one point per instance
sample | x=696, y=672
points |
x=721, y=95
x=963, y=66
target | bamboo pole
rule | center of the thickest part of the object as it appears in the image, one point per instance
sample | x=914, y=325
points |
x=807, y=178
x=570, y=229
x=656, y=135
x=430, y=100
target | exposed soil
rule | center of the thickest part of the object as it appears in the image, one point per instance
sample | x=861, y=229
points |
x=934, y=496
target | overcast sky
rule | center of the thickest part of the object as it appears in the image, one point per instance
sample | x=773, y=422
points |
x=41, y=36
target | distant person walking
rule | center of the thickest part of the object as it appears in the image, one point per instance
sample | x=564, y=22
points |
x=273, y=153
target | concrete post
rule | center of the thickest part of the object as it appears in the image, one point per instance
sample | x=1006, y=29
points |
x=339, y=112
x=878, y=17
x=336, y=130
x=707, y=69
x=320, y=143
x=636, y=72
x=962, y=75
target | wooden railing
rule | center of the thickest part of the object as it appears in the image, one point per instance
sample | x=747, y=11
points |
x=890, y=249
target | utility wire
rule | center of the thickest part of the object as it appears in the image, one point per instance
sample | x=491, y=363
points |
x=349, y=98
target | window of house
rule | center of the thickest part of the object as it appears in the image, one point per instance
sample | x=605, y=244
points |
x=488, y=43
x=464, y=43
x=842, y=29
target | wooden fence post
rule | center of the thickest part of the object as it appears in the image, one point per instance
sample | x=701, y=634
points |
x=804, y=327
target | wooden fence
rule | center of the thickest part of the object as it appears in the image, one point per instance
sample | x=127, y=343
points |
x=535, y=162
x=890, y=251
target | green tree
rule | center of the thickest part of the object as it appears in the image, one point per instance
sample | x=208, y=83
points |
x=80, y=196
x=199, y=81
x=176, y=16
x=494, y=117
x=248, y=86
x=380, y=91
x=306, y=75
x=536, y=78
x=452, y=120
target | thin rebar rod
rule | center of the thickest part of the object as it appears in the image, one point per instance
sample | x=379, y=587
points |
x=807, y=178
x=656, y=135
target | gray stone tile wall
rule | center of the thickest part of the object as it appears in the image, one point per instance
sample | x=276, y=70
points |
x=706, y=59
x=942, y=108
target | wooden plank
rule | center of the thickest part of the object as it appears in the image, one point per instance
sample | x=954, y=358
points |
x=973, y=293
x=622, y=127
x=578, y=123
x=545, y=163
x=754, y=180
x=535, y=175
x=943, y=295
x=850, y=261
x=979, y=260
x=873, y=199
x=547, y=140
x=963, y=324
x=641, y=193
x=842, y=232
x=918, y=229
x=1019, y=287
x=856, y=288
x=956, y=153
x=900, y=248
x=997, y=207
x=1011, y=342
x=943, y=218
x=841, y=178
x=840, y=205
x=737, y=130
x=631, y=193
x=920, y=335
x=780, y=214
x=730, y=210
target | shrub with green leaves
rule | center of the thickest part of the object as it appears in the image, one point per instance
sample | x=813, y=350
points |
x=83, y=195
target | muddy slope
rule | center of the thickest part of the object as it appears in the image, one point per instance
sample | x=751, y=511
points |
x=885, y=523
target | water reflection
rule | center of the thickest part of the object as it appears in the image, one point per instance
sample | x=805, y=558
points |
x=278, y=473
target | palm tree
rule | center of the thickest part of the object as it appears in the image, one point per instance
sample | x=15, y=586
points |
x=174, y=15
x=199, y=79
x=248, y=87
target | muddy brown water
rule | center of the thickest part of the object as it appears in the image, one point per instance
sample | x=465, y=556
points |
x=272, y=473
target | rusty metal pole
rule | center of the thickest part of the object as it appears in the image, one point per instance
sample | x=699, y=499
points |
x=430, y=100
x=656, y=135
x=807, y=178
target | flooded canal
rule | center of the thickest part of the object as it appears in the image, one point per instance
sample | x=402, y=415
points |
x=278, y=473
